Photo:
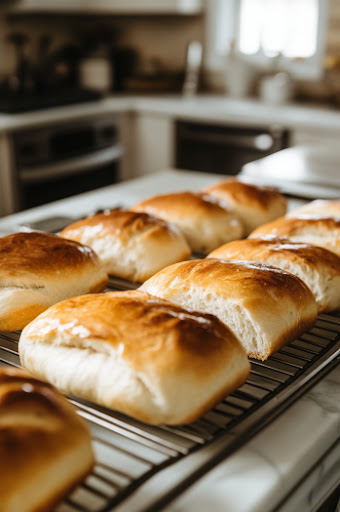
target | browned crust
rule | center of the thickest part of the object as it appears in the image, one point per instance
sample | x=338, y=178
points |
x=288, y=226
x=37, y=425
x=17, y=320
x=167, y=335
x=121, y=223
x=296, y=252
x=40, y=253
x=182, y=204
x=247, y=194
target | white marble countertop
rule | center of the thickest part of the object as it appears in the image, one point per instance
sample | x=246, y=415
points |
x=294, y=462
x=209, y=108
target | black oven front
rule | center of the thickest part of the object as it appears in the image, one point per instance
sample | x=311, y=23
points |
x=65, y=159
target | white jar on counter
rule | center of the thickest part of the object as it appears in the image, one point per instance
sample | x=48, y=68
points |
x=277, y=89
x=96, y=73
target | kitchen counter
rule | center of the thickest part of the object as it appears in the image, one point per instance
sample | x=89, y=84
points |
x=209, y=108
x=293, y=463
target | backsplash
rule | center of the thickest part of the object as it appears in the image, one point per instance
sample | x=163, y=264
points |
x=159, y=41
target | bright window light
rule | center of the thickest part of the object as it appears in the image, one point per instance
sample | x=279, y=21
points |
x=286, y=27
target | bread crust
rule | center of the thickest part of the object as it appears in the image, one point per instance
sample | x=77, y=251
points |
x=316, y=266
x=253, y=204
x=37, y=270
x=319, y=208
x=324, y=232
x=45, y=447
x=137, y=354
x=131, y=245
x=264, y=306
x=205, y=221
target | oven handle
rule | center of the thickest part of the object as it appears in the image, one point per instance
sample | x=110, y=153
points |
x=260, y=142
x=71, y=166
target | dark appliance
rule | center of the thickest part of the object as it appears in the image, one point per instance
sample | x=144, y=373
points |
x=57, y=161
x=225, y=149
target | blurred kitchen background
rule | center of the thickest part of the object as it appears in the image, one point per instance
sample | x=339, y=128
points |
x=197, y=84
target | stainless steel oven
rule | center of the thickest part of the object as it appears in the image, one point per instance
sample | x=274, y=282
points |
x=60, y=160
x=225, y=149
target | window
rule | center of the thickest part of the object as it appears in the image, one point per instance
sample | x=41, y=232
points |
x=295, y=30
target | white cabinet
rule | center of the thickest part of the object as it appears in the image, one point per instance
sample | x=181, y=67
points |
x=148, y=141
x=314, y=136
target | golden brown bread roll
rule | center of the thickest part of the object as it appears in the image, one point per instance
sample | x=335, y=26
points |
x=45, y=447
x=253, y=204
x=318, y=208
x=316, y=266
x=38, y=270
x=324, y=232
x=265, y=307
x=131, y=245
x=205, y=221
x=136, y=354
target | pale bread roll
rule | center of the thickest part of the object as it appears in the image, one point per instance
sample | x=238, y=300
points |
x=264, y=307
x=136, y=354
x=131, y=245
x=316, y=266
x=318, y=208
x=205, y=221
x=253, y=204
x=38, y=270
x=324, y=232
x=45, y=447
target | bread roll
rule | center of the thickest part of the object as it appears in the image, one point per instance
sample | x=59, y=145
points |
x=317, y=231
x=131, y=245
x=319, y=208
x=37, y=270
x=253, y=204
x=317, y=267
x=136, y=354
x=264, y=307
x=45, y=447
x=205, y=221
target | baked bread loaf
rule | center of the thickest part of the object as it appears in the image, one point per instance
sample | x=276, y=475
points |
x=205, y=221
x=265, y=307
x=324, y=232
x=38, y=270
x=45, y=447
x=131, y=245
x=136, y=354
x=319, y=208
x=253, y=204
x=316, y=266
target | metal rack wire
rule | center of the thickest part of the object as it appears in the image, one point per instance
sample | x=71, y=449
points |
x=142, y=467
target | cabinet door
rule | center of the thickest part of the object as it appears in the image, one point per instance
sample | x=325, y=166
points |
x=154, y=144
x=314, y=137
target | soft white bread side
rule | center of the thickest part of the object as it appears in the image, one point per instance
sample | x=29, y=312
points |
x=318, y=208
x=265, y=307
x=131, y=245
x=253, y=204
x=205, y=221
x=45, y=447
x=38, y=270
x=324, y=232
x=316, y=266
x=136, y=354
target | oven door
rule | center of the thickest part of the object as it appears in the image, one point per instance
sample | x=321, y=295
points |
x=224, y=149
x=50, y=182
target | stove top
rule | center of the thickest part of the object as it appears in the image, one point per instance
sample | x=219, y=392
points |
x=14, y=103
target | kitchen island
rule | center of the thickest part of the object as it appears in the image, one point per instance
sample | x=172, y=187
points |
x=292, y=462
